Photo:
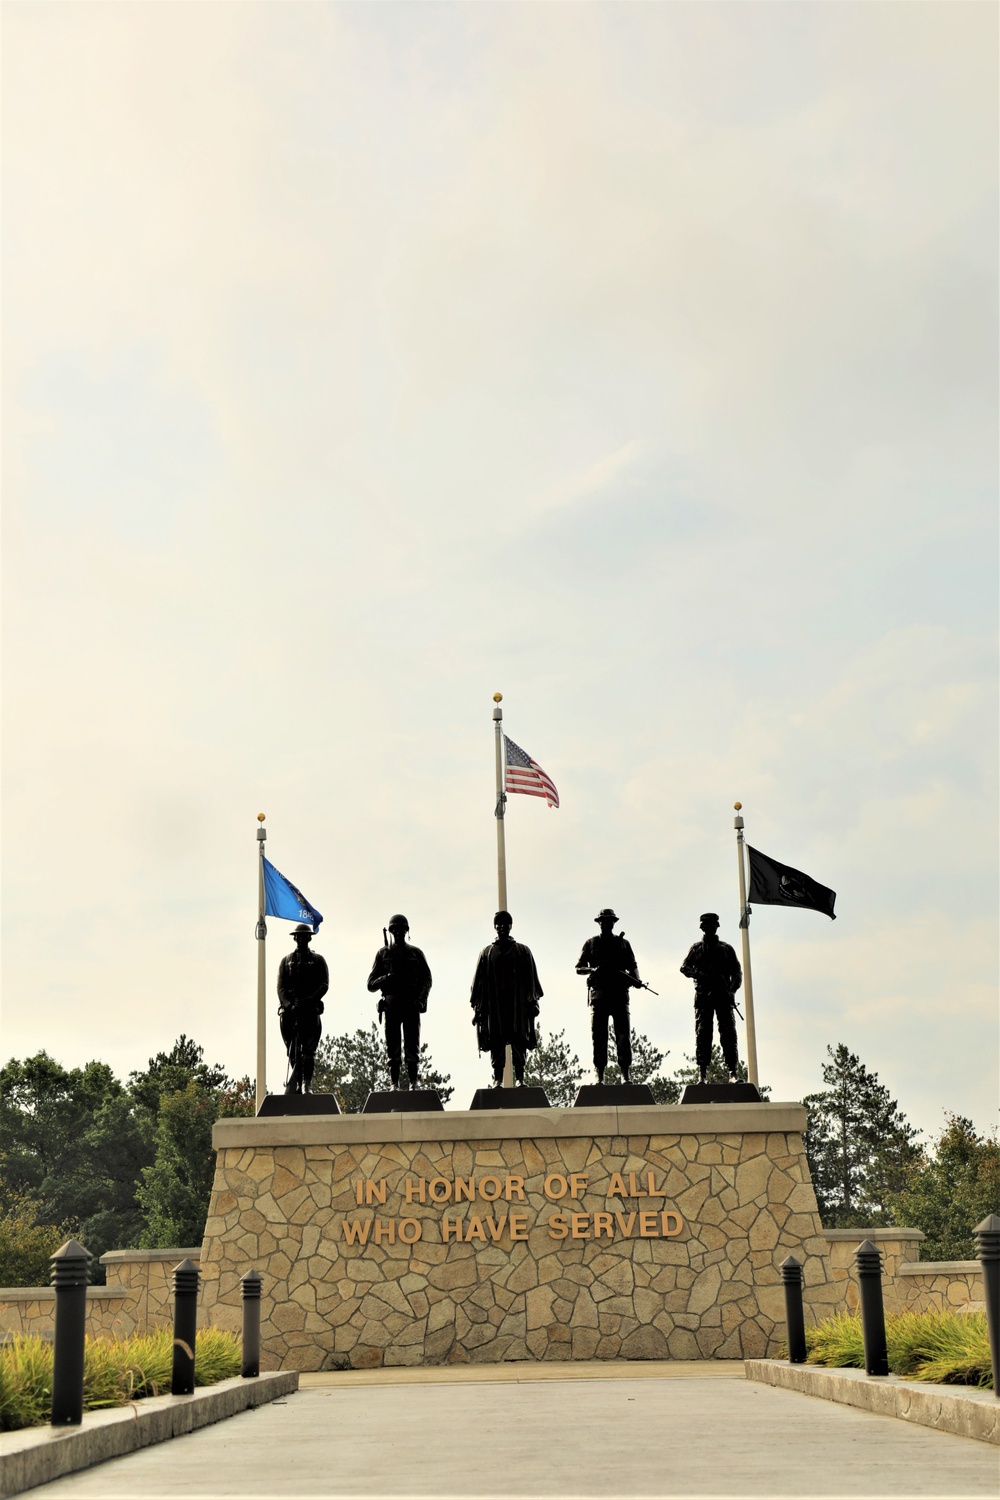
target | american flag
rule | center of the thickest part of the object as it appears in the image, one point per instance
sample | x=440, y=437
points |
x=526, y=775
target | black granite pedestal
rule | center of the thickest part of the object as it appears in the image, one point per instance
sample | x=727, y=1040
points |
x=298, y=1104
x=401, y=1101
x=594, y=1095
x=517, y=1098
x=721, y=1093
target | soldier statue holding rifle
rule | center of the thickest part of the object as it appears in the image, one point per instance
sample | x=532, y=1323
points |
x=717, y=976
x=303, y=980
x=611, y=971
x=400, y=971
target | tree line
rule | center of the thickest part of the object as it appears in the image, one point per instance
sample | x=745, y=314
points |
x=122, y=1164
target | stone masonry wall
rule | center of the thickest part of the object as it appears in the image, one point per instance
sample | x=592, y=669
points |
x=591, y=1234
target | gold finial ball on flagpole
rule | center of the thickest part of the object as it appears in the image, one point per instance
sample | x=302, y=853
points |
x=260, y=817
x=737, y=805
x=498, y=697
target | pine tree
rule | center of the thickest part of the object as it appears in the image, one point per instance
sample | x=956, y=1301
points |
x=860, y=1146
x=552, y=1067
x=356, y=1064
x=952, y=1187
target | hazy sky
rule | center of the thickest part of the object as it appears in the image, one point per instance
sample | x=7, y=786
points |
x=637, y=361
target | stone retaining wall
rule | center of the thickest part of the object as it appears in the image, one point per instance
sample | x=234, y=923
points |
x=32, y=1309
x=943, y=1286
x=644, y=1233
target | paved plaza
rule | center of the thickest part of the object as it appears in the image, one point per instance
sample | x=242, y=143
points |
x=699, y=1431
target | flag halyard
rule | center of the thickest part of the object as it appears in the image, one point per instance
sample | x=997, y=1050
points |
x=522, y=774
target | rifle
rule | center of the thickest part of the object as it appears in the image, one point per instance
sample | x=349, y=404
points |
x=381, y=1003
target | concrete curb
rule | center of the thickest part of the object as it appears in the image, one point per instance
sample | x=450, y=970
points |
x=36, y=1455
x=965, y=1411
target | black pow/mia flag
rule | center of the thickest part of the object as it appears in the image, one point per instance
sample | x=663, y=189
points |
x=779, y=885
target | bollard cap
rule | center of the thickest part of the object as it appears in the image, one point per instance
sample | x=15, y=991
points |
x=868, y=1257
x=70, y=1265
x=251, y=1284
x=791, y=1269
x=186, y=1276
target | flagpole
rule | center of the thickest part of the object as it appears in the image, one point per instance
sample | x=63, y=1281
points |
x=500, y=809
x=261, y=1082
x=745, y=934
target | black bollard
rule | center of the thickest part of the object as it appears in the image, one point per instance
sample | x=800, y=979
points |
x=868, y=1260
x=988, y=1244
x=69, y=1277
x=185, y=1327
x=251, y=1285
x=795, y=1323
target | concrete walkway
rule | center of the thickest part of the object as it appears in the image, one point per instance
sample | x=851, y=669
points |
x=531, y=1431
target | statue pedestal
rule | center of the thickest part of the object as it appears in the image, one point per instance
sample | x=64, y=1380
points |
x=594, y=1095
x=297, y=1104
x=517, y=1098
x=402, y=1101
x=721, y=1093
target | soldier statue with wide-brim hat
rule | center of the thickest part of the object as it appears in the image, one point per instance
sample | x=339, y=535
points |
x=611, y=972
x=303, y=980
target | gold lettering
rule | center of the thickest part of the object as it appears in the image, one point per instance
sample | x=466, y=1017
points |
x=637, y=1191
x=416, y=1190
x=665, y=1218
x=518, y=1226
x=441, y=1182
x=514, y=1185
x=549, y=1186
x=654, y=1191
x=581, y=1226
x=359, y=1188
x=603, y=1225
x=497, y=1185
x=374, y=1192
x=577, y=1184
x=451, y=1229
x=465, y=1189
x=474, y=1229
x=356, y=1231
x=496, y=1227
x=625, y=1224
x=616, y=1187
x=386, y=1231
x=558, y=1228
x=647, y=1225
x=413, y=1225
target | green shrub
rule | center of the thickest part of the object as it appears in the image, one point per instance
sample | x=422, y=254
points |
x=115, y=1371
x=948, y=1348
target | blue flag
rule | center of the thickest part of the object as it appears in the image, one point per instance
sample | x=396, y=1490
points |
x=282, y=899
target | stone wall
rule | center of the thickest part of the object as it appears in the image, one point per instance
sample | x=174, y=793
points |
x=898, y=1246
x=944, y=1285
x=146, y=1276
x=644, y=1233
x=32, y=1309
x=908, y=1284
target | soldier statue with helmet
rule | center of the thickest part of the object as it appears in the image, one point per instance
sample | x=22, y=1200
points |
x=717, y=976
x=400, y=971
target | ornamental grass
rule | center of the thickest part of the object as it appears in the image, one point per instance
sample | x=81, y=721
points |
x=948, y=1348
x=115, y=1371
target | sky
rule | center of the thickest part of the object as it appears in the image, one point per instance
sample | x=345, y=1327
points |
x=636, y=361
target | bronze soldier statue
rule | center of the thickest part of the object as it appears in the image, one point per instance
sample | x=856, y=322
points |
x=609, y=964
x=400, y=971
x=303, y=980
x=505, y=996
x=717, y=976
